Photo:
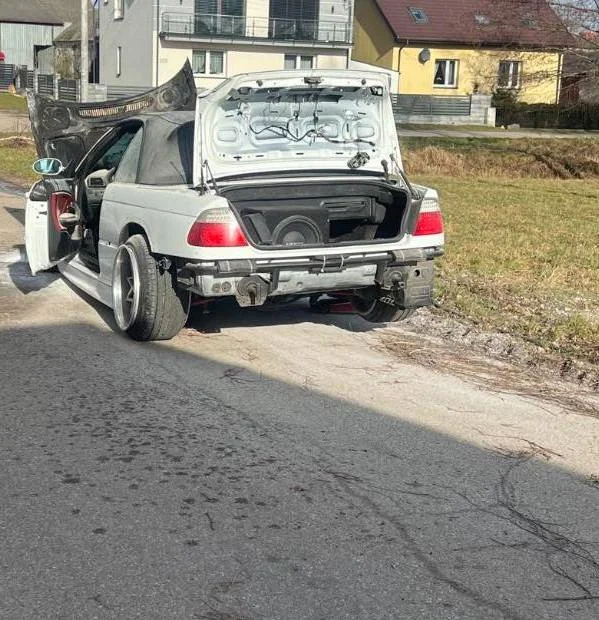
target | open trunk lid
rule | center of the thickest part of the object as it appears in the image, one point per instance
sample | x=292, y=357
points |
x=293, y=121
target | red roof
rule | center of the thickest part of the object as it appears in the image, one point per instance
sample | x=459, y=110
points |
x=527, y=23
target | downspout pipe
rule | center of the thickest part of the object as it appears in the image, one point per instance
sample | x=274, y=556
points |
x=401, y=49
x=560, y=71
x=157, y=41
x=351, y=33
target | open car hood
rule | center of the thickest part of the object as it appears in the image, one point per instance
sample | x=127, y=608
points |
x=68, y=130
x=284, y=121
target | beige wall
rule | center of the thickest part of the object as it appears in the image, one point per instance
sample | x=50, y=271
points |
x=479, y=68
x=373, y=41
x=257, y=18
x=242, y=59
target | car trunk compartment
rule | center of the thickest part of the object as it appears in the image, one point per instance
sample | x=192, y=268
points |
x=319, y=213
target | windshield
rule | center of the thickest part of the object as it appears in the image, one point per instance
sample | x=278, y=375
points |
x=299, y=121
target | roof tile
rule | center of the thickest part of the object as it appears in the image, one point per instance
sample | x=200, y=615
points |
x=530, y=23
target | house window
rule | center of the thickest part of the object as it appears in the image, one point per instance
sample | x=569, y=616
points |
x=418, y=15
x=293, y=61
x=510, y=73
x=118, y=9
x=119, y=60
x=446, y=73
x=208, y=62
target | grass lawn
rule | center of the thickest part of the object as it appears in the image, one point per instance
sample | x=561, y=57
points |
x=13, y=103
x=16, y=158
x=523, y=257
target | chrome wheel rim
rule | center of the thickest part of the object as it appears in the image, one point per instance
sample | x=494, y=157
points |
x=125, y=287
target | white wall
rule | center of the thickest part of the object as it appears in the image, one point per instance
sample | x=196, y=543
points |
x=135, y=35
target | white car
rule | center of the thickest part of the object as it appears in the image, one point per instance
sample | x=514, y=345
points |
x=271, y=187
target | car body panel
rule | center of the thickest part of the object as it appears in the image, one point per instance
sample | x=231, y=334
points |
x=165, y=212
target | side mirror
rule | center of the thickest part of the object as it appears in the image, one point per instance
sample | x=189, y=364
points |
x=48, y=166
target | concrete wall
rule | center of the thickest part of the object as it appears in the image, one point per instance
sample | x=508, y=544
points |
x=135, y=35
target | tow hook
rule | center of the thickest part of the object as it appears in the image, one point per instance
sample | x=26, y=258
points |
x=251, y=291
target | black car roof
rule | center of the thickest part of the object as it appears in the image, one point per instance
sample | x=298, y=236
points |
x=167, y=151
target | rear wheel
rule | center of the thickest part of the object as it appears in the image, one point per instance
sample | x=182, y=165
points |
x=148, y=304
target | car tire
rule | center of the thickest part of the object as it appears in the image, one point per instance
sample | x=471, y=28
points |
x=377, y=311
x=147, y=303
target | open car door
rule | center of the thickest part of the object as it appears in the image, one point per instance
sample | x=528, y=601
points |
x=67, y=131
x=52, y=224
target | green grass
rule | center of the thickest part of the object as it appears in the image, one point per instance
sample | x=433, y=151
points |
x=523, y=257
x=12, y=102
x=16, y=158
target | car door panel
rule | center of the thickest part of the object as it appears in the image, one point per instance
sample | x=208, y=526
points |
x=47, y=240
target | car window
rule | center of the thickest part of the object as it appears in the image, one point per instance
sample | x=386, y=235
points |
x=127, y=168
x=113, y=155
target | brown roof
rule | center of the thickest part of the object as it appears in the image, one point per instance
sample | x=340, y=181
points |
x=528, y=23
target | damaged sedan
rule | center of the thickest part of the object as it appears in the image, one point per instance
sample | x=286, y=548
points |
x=271, y=187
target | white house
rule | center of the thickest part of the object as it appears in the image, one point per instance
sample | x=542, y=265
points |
x=143, y=43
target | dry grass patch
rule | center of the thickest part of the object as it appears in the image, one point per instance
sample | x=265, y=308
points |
x=503, y=158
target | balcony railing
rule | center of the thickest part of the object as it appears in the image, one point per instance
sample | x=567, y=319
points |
x=202, y=25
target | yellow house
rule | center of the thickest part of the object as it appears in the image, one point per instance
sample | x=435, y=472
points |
x=437, y=47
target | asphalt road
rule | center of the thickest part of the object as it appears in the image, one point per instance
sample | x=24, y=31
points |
x=277, y=464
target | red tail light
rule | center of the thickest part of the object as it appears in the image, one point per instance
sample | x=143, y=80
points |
x=60, y=202
x=216, y=228
x=429, y=223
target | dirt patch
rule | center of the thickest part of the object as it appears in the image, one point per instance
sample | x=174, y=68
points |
x=501, y=362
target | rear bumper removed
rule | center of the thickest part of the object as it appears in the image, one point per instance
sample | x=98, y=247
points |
x=404, y=277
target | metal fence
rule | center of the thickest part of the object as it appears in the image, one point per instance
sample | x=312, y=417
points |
x=7, y=74
x=68, y=90
x=45, y=84
x=202, y=25
x=432, y=105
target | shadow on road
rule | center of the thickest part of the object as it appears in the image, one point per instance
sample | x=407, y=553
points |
x=139, y=480
x=20, y=274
